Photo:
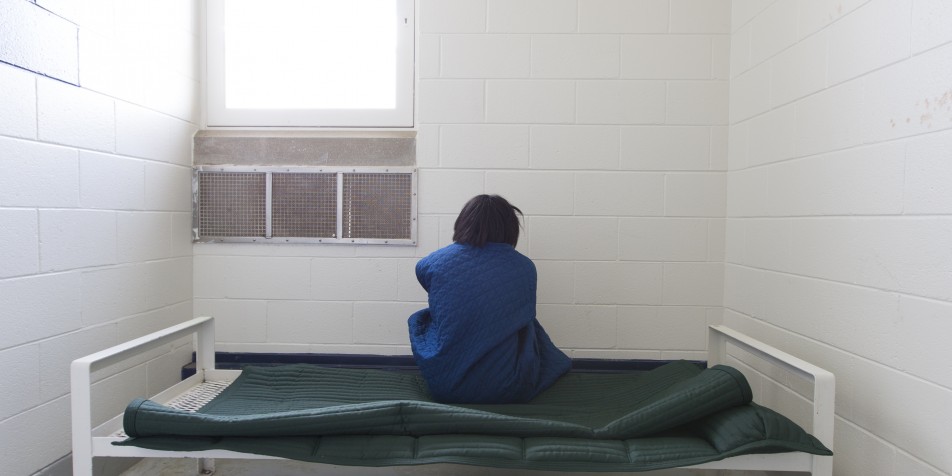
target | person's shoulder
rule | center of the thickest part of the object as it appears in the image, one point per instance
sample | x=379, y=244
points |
x=524, y=260
x=446, y=252
x=511, y=253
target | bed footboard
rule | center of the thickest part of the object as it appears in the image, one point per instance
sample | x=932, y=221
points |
x=823, y=382
x=81, y=378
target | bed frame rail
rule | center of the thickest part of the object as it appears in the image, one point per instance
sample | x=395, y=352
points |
x=81, y=371
x=88, y=442
x=823, y=381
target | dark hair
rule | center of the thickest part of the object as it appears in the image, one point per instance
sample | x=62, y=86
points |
x=487, y=218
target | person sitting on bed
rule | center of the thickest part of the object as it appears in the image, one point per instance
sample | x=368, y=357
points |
x=479, y=340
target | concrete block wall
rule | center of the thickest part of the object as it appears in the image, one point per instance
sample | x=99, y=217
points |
x=839, y=194
x=604, y=121
x=779, y=165
x=95, y=206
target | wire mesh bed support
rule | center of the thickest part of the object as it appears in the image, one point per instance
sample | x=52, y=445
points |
x=193, y=392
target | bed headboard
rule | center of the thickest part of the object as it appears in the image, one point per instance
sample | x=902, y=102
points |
x=823, y=381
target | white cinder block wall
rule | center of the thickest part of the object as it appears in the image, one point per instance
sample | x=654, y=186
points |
x=94, y=205
x=607, y=121
x=604, y=121
x=839, y=236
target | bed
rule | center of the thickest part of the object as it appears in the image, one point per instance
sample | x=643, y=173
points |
x=558, y=445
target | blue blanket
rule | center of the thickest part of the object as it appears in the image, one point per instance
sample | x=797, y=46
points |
x=479, y=341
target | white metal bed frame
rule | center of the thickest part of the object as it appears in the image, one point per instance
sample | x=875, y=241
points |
x=193, y=392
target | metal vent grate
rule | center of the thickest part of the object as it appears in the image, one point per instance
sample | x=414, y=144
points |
x=377, y=205
x=304, y=205
x=232, y=204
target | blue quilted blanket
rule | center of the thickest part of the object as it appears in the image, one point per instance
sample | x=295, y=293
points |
x=479, y=340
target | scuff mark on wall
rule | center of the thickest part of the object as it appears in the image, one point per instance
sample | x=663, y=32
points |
x=934, y=108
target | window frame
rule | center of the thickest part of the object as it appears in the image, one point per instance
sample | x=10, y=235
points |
x=217, y=115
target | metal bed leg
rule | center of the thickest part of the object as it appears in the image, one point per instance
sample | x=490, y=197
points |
x=206, y=466
x=81, y=419
x=822, y=466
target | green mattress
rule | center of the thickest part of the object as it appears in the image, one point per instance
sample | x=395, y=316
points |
x=675, y=415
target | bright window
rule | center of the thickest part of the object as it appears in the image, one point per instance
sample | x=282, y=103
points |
x=311, y=63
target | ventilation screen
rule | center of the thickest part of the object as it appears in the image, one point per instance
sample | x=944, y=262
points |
x=231, y=204
x=304, y=205
x=377, y=205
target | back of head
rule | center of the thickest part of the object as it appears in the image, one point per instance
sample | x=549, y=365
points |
x=487, y=219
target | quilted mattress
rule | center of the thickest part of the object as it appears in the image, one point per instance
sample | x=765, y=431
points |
x=675, y=415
